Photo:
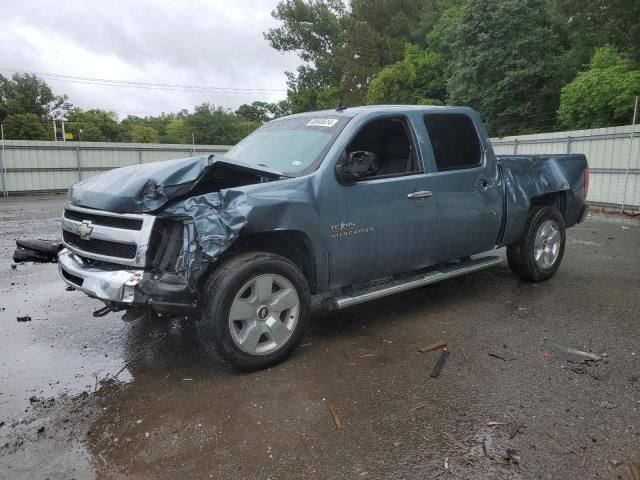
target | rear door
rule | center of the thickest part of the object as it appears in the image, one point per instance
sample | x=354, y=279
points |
x=466, y=186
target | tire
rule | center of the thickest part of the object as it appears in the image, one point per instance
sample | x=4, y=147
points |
x=536, y=257
x=259, y=332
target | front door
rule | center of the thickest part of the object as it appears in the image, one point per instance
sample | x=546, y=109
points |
x=385, y=223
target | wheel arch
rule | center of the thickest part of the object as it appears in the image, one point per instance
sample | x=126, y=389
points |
x=293, y=245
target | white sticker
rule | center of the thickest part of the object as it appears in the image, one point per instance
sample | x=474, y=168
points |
x=322, y=122
x=296, y=163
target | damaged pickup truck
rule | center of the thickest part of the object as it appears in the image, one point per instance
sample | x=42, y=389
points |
x=348, y=205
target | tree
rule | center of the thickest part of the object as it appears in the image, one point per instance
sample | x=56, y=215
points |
x=214, y=125
x=416, y=79
x=601, y=96
x=502, y=63
x=589, y=24
x=26, y=93
x=143, y=134
x=176, y=131
x=93, y=125
x=375, y=33
x=25, y=126
x=312, y=30
x=256, y=112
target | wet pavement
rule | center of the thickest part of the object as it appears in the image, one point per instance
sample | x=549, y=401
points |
x=174, y=413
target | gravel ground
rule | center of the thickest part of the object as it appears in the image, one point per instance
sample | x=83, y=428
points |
x=174, y=413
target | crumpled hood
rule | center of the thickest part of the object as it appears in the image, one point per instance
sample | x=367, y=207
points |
x=148, y=187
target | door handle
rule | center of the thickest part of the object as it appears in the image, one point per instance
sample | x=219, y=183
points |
x=420, y=194
x=484, y=184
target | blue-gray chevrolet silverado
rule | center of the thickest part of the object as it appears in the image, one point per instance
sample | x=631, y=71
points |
x=347, y=205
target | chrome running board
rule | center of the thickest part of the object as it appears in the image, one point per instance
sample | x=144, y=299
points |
x=416, y=281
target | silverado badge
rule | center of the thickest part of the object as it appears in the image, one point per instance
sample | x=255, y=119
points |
x=85, y=229
x=347, y=230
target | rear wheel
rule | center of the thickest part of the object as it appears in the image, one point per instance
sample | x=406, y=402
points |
x=537, y=255
x=255, y=309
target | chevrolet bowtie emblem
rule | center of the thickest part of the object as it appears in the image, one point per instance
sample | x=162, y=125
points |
x=85, y=229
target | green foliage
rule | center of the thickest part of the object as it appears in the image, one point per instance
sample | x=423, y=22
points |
x=375, y=33
x=25, y=93
x=213, y=125
x=602, y=95
x=93, y=125
x=143, y=134
x=261, y=112
x=416, y=79
x=25, y=126
x=176, y=131
x=501, y=63
x=589, y=24
x=311, y=29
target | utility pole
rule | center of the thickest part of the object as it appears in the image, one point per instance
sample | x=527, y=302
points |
x=3, y=165
x=64, y=138
x=193, y=144
x=626, y=173
x=55, y=131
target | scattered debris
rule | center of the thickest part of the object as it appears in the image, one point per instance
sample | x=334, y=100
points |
x=572, y=355
x=614, y=462
x=503, y=357
x=465, y=357
x=484, y=448
x=606, y=405
x=516, y=430
x=433, y=346
x=418, y=407
x=435, y=373
x=14, y=265
x=511, y=457
x=41, y=430
x=446, y=463
x=41, y=251
x=26, y=318
x=336, y=419
x=495, y=424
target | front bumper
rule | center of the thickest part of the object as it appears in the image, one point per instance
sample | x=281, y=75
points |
x=116, y=286
x=166, y=292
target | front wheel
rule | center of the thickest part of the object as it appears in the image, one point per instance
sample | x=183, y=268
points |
x=255, y=309
x=537, y=255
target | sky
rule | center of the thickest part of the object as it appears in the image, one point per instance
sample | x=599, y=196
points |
x=217, y=44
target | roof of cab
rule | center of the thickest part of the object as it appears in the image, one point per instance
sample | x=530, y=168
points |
x=353, y=111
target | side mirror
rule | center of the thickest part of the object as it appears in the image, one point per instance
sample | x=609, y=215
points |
x=356, y=166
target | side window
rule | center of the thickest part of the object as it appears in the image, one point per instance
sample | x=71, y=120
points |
x=389, y=140
x=454, y=140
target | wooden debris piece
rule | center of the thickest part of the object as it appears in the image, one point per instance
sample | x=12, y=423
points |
x=433, y=346
x=335, y=416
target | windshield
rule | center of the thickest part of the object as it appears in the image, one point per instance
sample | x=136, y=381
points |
x=291, y=146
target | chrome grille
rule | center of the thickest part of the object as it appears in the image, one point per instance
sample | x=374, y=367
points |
x=100, y=247
x=115, y=222
x=116, y=238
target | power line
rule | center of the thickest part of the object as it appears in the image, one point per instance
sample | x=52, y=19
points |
x=145, y=85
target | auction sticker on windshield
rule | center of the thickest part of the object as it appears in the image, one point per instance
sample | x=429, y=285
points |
x=322, y=122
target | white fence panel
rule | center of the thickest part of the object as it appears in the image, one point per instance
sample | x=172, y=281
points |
x=40, y=166
x=613, y=154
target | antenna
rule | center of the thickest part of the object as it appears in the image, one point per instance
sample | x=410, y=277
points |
x=341, y=107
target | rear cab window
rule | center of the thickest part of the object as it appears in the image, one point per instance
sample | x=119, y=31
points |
x=454, y=140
